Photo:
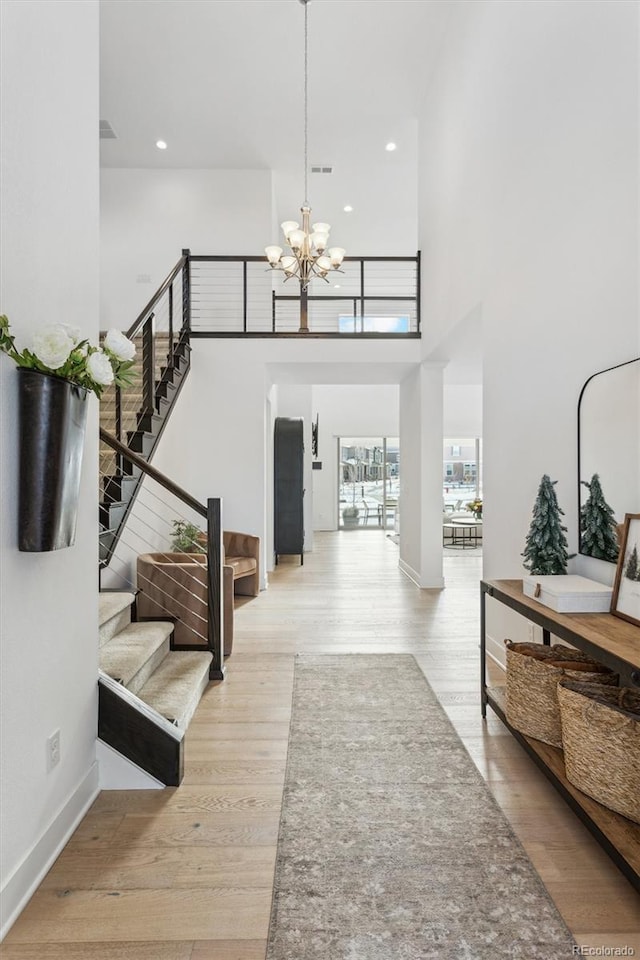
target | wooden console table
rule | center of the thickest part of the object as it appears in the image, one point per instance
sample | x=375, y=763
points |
x=613, y=642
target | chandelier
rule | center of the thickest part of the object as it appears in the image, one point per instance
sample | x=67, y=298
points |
x=310, y=256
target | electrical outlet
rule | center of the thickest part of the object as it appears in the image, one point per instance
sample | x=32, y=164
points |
x=53, y=750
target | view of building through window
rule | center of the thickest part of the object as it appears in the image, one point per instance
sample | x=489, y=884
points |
x=462, y=472
x=355, y=324
x=369, y=482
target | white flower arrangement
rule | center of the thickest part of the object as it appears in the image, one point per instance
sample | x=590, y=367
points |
x=58, y=349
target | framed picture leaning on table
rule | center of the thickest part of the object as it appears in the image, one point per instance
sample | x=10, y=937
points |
x=625, y=601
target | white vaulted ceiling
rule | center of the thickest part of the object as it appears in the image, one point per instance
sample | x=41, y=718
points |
x=222, y=82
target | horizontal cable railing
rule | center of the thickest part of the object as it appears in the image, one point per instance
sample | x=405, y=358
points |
x=242, y=295
x=167, y=550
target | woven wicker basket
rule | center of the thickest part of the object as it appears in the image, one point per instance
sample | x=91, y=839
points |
x=533, y=672
x=601, y=737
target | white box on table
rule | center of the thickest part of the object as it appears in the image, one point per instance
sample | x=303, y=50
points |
x=569, y=593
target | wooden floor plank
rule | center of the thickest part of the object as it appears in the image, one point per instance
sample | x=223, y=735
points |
x=191, y=799
x=229, y=950
x=230, y=771
x=214, y=749
x=239, y=730
x=152, y=950
x=208, y=829
x=148, y=867
x=195, y=913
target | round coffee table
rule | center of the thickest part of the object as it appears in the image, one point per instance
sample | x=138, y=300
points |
x=465, y=534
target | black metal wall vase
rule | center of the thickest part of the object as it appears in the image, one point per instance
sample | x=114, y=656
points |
x=52, y=419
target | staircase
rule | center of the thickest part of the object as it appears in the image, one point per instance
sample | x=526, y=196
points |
x=142, y=416
x=147, y=692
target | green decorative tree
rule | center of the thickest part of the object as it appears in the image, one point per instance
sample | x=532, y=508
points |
x=632, y=570
x=598, y=536
x=546, y=546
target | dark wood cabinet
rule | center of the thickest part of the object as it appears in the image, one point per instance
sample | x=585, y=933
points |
x=288, y=522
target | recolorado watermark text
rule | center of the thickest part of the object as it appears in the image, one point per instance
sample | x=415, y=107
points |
x=583, y=951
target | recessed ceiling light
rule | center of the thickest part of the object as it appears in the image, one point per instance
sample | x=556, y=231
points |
x=348, y=208
x=161, y=145
x=390, y=147
x=336, y=286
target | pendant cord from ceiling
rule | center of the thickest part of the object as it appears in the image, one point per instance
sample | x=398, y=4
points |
x=306, y=109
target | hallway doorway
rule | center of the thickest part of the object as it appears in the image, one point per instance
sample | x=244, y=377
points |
x=369, y=483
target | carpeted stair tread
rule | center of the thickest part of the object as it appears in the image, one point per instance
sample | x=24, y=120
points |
x=136, y=652
x=175, y=688
x=114, y=613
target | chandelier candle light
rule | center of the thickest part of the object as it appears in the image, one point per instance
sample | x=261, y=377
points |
x=310, y=256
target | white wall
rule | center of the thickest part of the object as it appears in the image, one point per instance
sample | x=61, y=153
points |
x=347, y=411
x=462, y=410
x=214, y=443
x=49, y=268
x=147, y=217
x=528, y=203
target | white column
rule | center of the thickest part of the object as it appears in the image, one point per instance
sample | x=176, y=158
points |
x=431, y=408
x=421, y=407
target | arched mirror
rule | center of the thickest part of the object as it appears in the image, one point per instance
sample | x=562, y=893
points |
x=609, y=444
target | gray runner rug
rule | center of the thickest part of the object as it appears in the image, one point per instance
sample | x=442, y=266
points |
x=391, y=845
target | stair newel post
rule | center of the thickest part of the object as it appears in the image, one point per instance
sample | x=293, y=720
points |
x=148, y=366
x=418, y=291
x=186, y=290
x=118, y=428
x=215, y=597
x=170, y=292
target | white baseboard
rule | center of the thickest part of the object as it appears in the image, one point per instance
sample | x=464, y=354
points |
x=119, y=773
x=23, y=882
x=414, y=576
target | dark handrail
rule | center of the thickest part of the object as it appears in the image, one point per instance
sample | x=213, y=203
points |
x=156, y=475
x=215, y=552
x=133, y=329
x=252, y=258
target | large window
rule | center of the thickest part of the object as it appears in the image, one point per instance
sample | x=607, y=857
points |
x=351, y=324
x=461, y=472
x=369, y=482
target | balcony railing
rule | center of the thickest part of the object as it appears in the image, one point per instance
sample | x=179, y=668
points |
x=372, y=297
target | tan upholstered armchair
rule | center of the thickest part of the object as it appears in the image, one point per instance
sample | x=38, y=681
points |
x=241, y=574
x=175, y=585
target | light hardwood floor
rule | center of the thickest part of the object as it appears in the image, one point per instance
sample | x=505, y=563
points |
x=186, y=873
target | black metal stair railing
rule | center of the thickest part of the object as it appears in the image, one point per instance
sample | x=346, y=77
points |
x=183, y=585
x=136, y=416
x=375, y=297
